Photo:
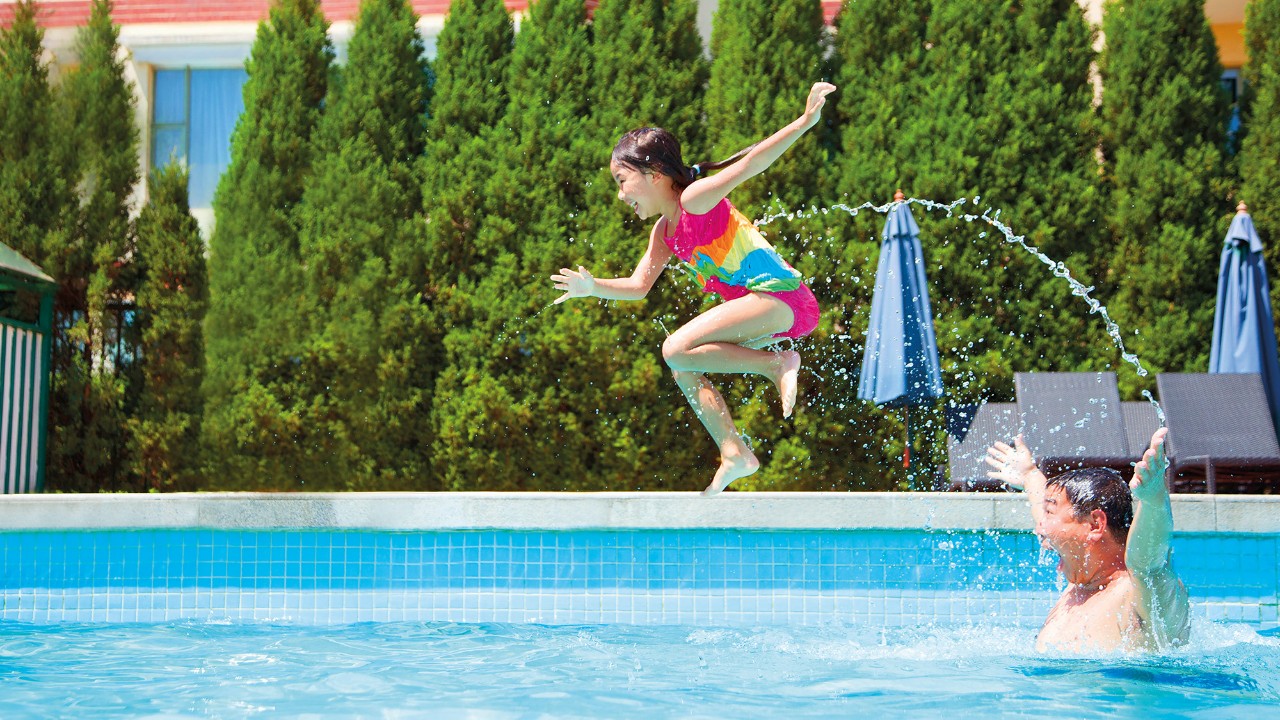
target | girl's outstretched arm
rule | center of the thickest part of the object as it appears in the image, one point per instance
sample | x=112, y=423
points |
x=703, y=195
x=580, y=283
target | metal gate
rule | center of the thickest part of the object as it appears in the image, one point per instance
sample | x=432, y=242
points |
x=26, y=331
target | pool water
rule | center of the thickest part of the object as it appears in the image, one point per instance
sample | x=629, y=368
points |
x=460, y=670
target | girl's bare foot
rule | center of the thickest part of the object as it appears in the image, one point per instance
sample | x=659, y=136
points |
x=787, y=380
x=733, y=465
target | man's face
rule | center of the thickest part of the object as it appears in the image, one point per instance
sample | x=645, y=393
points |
x=1059, y=529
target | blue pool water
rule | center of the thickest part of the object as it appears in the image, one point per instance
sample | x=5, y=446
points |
x=601, y=623
x=452, y=670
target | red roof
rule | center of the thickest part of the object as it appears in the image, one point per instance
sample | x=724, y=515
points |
x=69, y=13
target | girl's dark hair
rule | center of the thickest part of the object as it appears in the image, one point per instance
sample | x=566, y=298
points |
x=656, y=150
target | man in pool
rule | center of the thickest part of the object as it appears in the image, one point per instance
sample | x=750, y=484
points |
x=1112, y=539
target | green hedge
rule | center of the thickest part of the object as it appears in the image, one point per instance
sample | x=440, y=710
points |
x=379, y=309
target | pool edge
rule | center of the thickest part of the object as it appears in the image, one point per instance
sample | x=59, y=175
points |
x=667, y=510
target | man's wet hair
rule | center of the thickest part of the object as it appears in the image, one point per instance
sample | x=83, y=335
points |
x=1104, y=489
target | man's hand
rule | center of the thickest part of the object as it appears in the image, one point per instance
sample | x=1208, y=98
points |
x=1012, y=464
x=1148, y=474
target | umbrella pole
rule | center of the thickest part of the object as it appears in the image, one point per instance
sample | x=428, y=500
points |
x=906, y=449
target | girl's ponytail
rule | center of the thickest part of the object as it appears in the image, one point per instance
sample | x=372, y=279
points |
x=709, y=166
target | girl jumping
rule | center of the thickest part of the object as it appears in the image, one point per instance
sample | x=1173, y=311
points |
x=765, y=299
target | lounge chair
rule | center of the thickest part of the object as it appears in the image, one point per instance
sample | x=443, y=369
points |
x=1220, y=422
x=1072, y=420
x=1140, y=423
x=971, y=429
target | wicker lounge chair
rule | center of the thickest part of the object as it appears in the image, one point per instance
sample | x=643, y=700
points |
x=1219, y=422
x=1072, y=420
x=971, y=429
x=1140, y=423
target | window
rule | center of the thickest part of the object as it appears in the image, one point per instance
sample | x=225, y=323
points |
x=1231, y=86
x=193, y=116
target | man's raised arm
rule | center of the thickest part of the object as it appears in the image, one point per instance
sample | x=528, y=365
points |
x=1162, y=599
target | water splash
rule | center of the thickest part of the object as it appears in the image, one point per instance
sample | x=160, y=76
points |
x=520, y=336
x=992, y=218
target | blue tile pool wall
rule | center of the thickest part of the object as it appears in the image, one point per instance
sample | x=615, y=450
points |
x=706, y=576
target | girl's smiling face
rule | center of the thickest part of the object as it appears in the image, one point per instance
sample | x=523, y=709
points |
x=641, y=190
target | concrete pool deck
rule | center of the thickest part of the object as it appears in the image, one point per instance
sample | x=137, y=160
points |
x=1249, y=514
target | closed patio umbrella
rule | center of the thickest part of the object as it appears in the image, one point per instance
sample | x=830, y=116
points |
x=1244, y=337
x=900, y=363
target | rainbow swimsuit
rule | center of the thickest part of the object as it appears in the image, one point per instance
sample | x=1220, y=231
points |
x=726, y=255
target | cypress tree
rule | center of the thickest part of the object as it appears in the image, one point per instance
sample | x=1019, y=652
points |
x=1009, y=118
x=1260, y=149
x=649, y=67
x=878, y=76
x=254, y=425
x=459, y=226
x=948, y=100
x=369, y=389
x=96, y=370
x=836, y=443
x=173, y=295
x=506, y=408
x=766, y=54
x=1014, y=124
x=33, y=177
x=474, y=51
x=1164, y=117
x=106, y=147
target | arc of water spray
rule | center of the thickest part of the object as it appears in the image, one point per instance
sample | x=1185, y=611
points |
x=1058, y=268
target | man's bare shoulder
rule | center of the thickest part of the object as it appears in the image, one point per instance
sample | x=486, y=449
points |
x=1104, y=619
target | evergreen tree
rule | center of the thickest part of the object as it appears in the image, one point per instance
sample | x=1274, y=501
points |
x=473, y=51
x=1164, y=118
x=254, y=425
x=460, y=227
x=880, y=90
x=95, y=370
x=369, y=382
x=33, y=180
x=766, y=54
x=649, y=68
x=172, y=298
x=1260, y=150
x=1009, y=118
x=508, y=399
x=950, y=100
x=469, y=97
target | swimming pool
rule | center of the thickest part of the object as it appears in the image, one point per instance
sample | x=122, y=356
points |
x=590, y=605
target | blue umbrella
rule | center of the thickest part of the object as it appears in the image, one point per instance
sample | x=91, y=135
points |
x=1244, y=338
x=900, y=363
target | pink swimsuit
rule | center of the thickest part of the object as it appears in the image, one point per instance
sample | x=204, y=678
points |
x=727, y=255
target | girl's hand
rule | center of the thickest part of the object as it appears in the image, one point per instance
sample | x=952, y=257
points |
x=817, y=98
x=574, y=284
x=1012, y=464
